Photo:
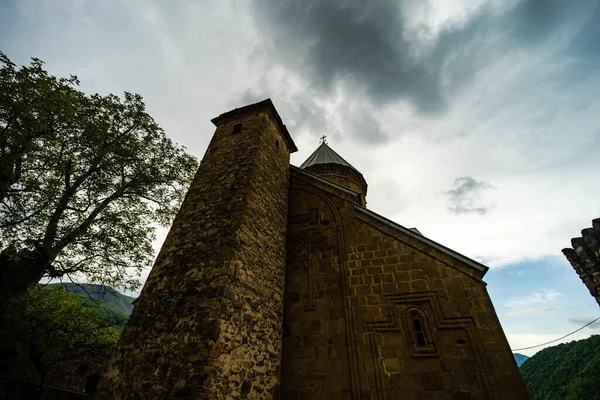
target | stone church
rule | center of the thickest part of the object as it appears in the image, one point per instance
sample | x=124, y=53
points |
x=277, y=282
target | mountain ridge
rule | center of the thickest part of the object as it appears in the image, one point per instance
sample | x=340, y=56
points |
x=92, y=294
x=114, y=307
x=520, y=358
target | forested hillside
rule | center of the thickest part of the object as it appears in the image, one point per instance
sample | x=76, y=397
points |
x=568, y=371
x=113, y=306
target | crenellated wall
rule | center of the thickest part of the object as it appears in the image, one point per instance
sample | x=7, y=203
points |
x=584, y=256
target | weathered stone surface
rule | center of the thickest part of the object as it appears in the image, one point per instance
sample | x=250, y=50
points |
x=343, y=175
x=276, y=283
x=208, y=322
x=584, y=256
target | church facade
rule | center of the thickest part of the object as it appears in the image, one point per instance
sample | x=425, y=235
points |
x=276, y=282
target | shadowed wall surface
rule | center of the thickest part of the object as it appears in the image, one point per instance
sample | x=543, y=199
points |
x=208, y=321
x=353, y=287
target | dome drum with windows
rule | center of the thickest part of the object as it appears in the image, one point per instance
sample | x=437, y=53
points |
x=327, y=163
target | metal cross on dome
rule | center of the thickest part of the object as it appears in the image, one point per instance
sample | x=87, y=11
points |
x=324, y=139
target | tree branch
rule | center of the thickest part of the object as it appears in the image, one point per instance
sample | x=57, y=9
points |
x=71, y=236
x=52, y=226
x=25, y=218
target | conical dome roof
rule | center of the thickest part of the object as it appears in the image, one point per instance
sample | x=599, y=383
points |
x=325, y=155
x=330, y=165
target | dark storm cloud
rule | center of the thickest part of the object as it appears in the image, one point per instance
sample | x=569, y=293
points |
x=354, y=117
x=361, y=119
x=367, y=44
x=357, y=40
x=298, y=110
x=301, y=110
x=465, y=197
x=305, y=112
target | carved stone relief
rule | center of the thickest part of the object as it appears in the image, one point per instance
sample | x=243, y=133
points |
x=308, y=243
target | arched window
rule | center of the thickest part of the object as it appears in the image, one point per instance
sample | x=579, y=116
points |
x=418, y=331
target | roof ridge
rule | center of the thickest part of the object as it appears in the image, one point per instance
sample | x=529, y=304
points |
x=325, y=181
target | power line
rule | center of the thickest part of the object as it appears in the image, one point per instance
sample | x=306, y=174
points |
x=556, y=340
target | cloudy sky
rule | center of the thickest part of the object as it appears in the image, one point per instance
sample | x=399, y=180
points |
x=476, y=121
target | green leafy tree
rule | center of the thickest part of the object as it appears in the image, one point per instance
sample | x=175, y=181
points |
x=83, y=181
x=51, y=327
x=34, y=106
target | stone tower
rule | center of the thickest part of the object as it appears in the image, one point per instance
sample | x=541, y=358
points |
x=208, y=323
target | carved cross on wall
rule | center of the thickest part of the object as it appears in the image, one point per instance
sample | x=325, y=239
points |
x=307, y=244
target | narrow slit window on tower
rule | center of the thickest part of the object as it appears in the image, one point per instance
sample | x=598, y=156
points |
x=277, y=144
x=419, y=331
x=237, y=128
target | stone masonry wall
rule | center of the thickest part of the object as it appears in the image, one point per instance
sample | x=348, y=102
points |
x=585, y=258
x=315, y=355
x=208, y=322
x=342, y=175
x=394, y=278
x=349, y=302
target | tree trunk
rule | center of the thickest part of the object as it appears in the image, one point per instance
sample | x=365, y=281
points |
x=36, y=358
x=18, y=275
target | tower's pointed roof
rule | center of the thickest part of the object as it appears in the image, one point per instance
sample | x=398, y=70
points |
x=325, y=155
